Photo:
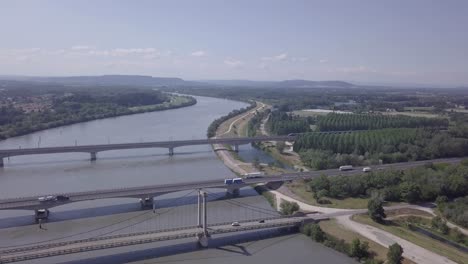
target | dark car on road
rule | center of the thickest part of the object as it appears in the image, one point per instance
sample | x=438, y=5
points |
x=62, y=198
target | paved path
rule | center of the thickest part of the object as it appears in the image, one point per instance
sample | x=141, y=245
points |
x=410, y=250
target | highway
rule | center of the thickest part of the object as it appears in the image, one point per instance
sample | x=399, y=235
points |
x=155, y=190
x=105, y=242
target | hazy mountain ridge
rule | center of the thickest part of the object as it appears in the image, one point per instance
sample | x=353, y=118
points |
x=142, y=80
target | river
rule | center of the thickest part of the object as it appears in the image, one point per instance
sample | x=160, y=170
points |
x=43, y=174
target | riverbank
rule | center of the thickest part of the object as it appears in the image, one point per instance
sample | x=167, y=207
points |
x=93, y=113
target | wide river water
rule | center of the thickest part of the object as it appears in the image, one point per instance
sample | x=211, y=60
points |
x=43, y=174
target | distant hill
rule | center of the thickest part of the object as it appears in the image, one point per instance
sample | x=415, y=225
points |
x=286, y=83
x=313, y=84
x=141, y=80
x=106, y=80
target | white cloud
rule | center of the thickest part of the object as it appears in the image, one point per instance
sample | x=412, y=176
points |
x=300, y=59
x=355, y=69
x=198, y=53
x=323, y=61
x=233, y=62
x=279, y=57
x=81, y=47
x=130, y=51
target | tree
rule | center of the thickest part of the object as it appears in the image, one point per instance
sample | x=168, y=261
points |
x=376, y=210
x=438, y=223
x=359, y=250
x=280, y=145
x=316, y=233
x=288, y=208
x=394, y=255
x=256, y=162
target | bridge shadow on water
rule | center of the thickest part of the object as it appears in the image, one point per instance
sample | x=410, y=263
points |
x=217, y=243
x=118, y=206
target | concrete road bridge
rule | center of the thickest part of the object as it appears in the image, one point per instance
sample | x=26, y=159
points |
x=202, y=232
x=148, y=192
x=94, y=149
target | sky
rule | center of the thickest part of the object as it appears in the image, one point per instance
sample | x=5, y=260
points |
x=369, y=41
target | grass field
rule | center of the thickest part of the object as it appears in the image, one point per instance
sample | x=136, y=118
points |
x=299, y=189
x=335, y=229
x=416, y=238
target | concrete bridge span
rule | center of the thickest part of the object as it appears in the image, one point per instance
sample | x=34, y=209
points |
x=170, y=145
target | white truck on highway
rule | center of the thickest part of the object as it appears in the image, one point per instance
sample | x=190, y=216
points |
x=252, y=175
x=346, y=168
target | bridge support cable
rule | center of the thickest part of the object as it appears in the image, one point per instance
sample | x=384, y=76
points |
x=244, y=205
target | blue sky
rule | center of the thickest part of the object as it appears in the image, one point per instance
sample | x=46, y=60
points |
x=398, y=41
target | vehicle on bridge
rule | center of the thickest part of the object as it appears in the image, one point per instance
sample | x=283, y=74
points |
x=366, y=169
x=48, y=198
x=233, y=181
x=253, y=175
x=235, y=224
x=346, y=168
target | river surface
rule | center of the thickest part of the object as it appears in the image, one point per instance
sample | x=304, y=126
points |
x=73, y=172
x=44, y=174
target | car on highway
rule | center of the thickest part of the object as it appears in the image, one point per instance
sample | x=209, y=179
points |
x=235, y=224
x=62, y=198
x=261, y=221
x=48, y=198
x=366, y=169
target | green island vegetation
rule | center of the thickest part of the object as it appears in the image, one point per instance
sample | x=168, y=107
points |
x=26, y=110
x=421, y=184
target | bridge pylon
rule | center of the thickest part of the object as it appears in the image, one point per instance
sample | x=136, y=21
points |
x=204, y=236
x=1, y=163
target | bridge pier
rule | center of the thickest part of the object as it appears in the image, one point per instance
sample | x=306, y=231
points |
x=148, y=202
x=236, y=148
x=93, y=156
x=1, y=163
x=171, y=151
x=41, y=215
x=234, y=192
